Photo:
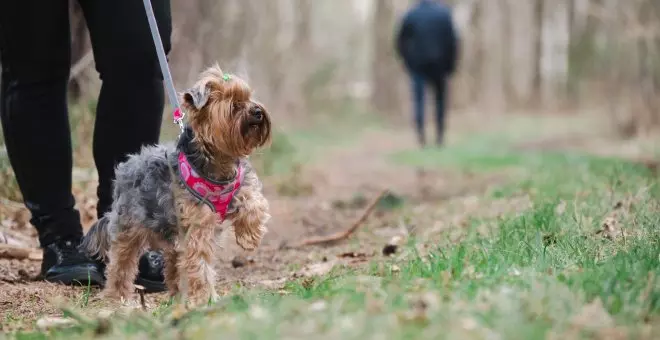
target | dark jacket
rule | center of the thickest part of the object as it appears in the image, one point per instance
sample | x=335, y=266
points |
x=427, y=39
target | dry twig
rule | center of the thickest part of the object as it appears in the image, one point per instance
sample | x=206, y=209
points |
x=19, y=253
x=15, y=238
x=340, y=236
x=140, y=291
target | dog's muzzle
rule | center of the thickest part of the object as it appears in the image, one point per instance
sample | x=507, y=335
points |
x=256, y=117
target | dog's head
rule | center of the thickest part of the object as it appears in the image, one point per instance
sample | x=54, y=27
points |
x=224, y=116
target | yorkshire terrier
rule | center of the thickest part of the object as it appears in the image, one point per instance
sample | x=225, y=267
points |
x=175, y=197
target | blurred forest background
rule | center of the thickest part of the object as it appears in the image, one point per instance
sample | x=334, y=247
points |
x=309, y=57
x=325, y=58
x=328, y=71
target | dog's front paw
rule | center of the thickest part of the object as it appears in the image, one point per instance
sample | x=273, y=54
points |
x=123, y=297
x=250, y=239
x=249, y=222
x=214, y=297
x=202, y=300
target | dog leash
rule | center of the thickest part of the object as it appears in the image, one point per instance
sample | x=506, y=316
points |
x=164, y=67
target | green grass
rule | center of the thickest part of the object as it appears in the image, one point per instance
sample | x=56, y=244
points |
x=543, y=273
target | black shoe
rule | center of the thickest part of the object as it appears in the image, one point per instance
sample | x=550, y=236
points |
x=150, y=274
x=150, y=271
x=64, y=263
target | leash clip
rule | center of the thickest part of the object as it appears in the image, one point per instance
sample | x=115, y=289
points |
x=178, y=118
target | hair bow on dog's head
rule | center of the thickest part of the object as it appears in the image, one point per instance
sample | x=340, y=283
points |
x=226, y=77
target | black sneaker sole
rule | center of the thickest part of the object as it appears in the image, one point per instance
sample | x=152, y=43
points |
x=151, y=286
x=80, y=278
x=76, y=277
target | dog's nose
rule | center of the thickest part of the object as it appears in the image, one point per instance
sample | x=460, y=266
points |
x=258, y=114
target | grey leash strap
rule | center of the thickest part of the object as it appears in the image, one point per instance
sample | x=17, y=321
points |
x=164, y=68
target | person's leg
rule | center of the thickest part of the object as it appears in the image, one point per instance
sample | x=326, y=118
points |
x=131, y=102
x=440, y=88
x=35, y=52
x=418, y=83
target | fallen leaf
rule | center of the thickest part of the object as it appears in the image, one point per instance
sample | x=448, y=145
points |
x=549, y=239
x=36, y=255
x=609, y=228
x=105, y=313
x=8, y=223
x=47, y=323
x=257, y=312
x=103, y=326
x=560, y=208
x=318, y=306
x=390, y=249
x=421, y=306
x=307, y=283
x=19, y=253
x=315, y=269
x=352, y=255
x=397, y=240
x=469, y=324
x=273, y=284
x=25, y=276
x=593, y=317
x=241, y=261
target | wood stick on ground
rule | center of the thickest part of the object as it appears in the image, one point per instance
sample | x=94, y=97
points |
x=336, y=237
x=140, y=291
x=16, y=238
x=19, y=253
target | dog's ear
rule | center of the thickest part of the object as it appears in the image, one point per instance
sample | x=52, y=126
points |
x=197, y=96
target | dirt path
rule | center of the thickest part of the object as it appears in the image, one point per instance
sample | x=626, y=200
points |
x=342, y=182
x=338, y=175
x=334, y=192
x=338, y=186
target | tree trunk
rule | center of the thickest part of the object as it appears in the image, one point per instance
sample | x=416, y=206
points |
x=555, y=52
x=233, y=41
x=493, y=75
x=302, y=45
x=206, y=13
x=384, y=96
x=538, y=47
x=522, y=53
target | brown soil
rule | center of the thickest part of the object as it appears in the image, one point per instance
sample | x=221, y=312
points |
x=329, y=205
x=338, y=186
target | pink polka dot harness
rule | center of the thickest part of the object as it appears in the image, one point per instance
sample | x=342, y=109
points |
x=217, y=195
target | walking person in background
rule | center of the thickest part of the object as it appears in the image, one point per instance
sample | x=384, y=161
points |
x=35, y=52
x=428, y=45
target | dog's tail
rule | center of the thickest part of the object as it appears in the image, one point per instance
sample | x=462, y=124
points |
x=96, y=242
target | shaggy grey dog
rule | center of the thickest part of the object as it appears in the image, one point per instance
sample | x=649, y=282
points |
x=143, y=195
x=156, y=202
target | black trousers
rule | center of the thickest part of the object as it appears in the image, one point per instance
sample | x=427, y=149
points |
x=35, y=55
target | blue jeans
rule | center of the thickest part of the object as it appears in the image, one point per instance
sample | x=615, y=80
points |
x=438, y=83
